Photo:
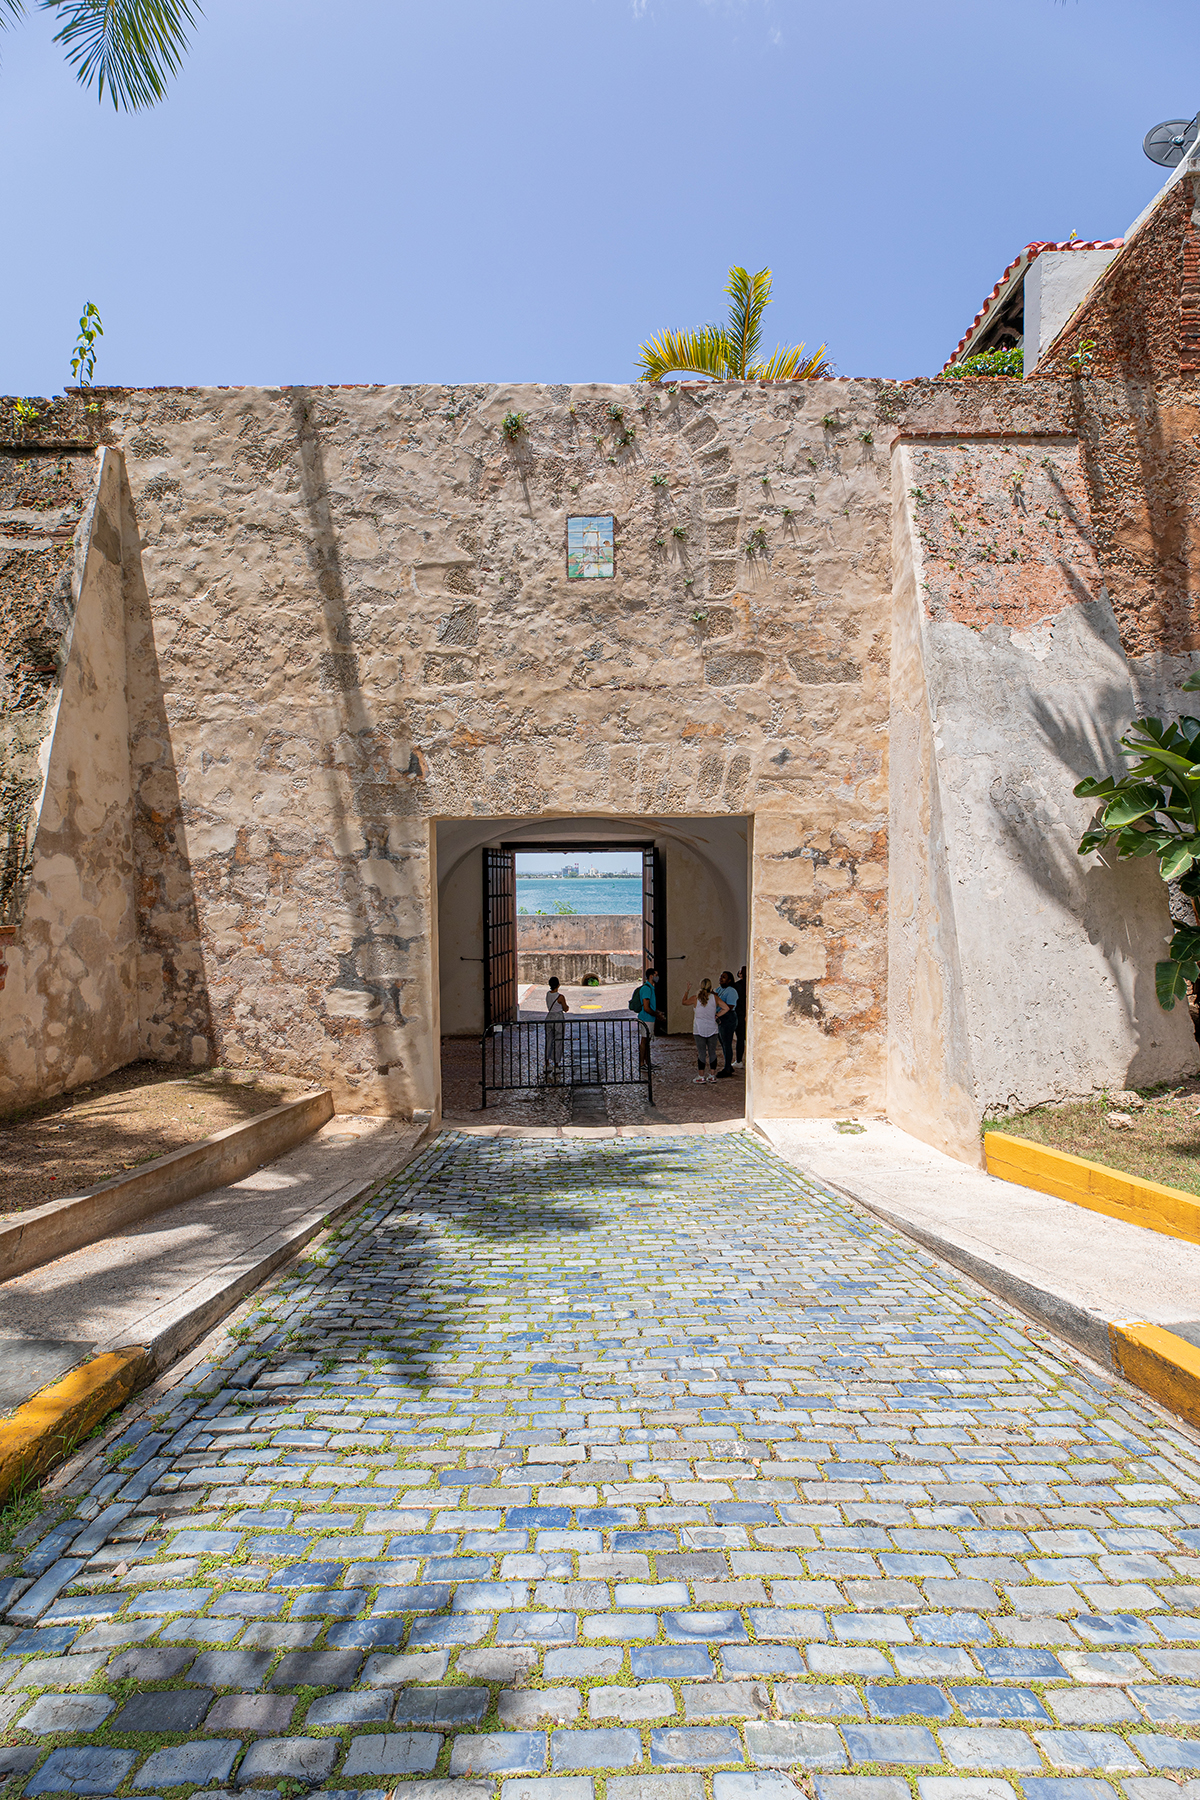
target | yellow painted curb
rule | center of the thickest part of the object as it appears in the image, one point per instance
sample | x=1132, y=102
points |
x=48, y=1427
x=1146, y=1203
x=1164, y=1366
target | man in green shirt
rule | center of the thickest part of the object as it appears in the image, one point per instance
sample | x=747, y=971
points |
x=646, y=1007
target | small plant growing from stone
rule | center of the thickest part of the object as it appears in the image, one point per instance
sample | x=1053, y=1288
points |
x=699, y=618
x=866, y=437
x=679, y=531
x=83, y=357
x=616, y=413
x=27, y=412
x=789, y=512
x=831, y=422
x=658, y=481
x=756, y=542
x=1082, y=357
x=513, y=424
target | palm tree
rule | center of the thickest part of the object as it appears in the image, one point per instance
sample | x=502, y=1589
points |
x=130, y=47
x=727, y=352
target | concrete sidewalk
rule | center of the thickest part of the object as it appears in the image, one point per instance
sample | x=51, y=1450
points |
x=162, y=1282
x=1076, y=1271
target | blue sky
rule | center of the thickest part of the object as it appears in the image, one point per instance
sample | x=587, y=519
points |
x=511, y=190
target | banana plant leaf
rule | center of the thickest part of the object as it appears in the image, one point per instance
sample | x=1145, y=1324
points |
x=1154, y=810
x=1132, y=803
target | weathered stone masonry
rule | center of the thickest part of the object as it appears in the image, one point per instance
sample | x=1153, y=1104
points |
x=346, y=616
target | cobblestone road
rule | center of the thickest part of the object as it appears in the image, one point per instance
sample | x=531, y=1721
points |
x=636, y=1467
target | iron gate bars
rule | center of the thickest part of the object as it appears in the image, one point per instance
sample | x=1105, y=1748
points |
x=577, y=1053
x=499, y=937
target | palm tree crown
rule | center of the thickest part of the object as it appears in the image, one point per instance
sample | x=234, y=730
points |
x=727, y=352
x=130, y=47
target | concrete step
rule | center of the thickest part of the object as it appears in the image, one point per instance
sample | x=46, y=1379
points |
x=160, y=1283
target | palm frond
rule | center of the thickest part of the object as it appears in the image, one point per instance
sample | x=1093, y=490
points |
x=791, y=365
x=132, y=47
x=749, y=295
x=703, y=352
x=14, y=9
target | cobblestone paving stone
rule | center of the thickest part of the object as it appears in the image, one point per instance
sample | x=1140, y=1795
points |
x=625, y=1469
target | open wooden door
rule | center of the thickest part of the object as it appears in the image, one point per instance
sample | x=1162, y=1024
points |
x=654, y=936
x=499, y=938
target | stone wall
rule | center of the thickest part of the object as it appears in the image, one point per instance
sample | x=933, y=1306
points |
x=1019, y=972
x=580, y=931
x=362, y=622
x=616, y=969
x=349, y=639
x=70, y=1008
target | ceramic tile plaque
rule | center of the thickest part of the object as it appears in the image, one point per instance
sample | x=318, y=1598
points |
x=589, y=546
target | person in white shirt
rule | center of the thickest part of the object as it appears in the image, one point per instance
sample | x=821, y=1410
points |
x=556, y=1011
x=727, y=1021
x=708, y=1009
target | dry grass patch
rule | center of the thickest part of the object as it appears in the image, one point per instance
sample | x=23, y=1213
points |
x=1160, y=1143
x=75, y=1141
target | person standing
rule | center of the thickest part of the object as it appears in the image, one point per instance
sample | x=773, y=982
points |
x=556, y=1011
x=708, y=1009
x=727, y=1021
x=645, y=1004
x=739, y=1042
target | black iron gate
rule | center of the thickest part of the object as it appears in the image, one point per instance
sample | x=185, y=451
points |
x=499, y=938
x=654, y=936
x=576, y=1053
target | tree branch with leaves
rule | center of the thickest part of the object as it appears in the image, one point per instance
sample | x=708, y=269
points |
x=131, y=48
x=728, y=352
x=1154, y=810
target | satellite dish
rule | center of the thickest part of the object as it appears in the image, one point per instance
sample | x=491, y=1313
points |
x=1170, y=142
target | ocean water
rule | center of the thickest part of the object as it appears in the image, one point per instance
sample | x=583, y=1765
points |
x=622, y=894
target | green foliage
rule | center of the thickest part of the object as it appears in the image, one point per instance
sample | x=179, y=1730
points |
x=756, y=542
x=1154, y=810
x=28, y=412
x=1082, y=356
x=563, y=906
x=988, y=362
x=728, y=352
x=513, y=424
x=83, y=357
x=130, y=47
x=19, y=1510
x=658, y=481
x=679, y=531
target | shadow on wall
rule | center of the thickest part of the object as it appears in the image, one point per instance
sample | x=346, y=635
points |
x=1122, y=906
x=175, y=1016
x=364, y=998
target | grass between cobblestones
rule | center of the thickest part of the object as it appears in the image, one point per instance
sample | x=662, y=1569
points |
x=645, y=1462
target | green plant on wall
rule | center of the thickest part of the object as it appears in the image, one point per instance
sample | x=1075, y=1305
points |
x=83, y=357
x=1154, y=810
x=988, y=362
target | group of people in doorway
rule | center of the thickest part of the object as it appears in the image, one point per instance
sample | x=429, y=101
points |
x=719, y=1017
x=718, y=1021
